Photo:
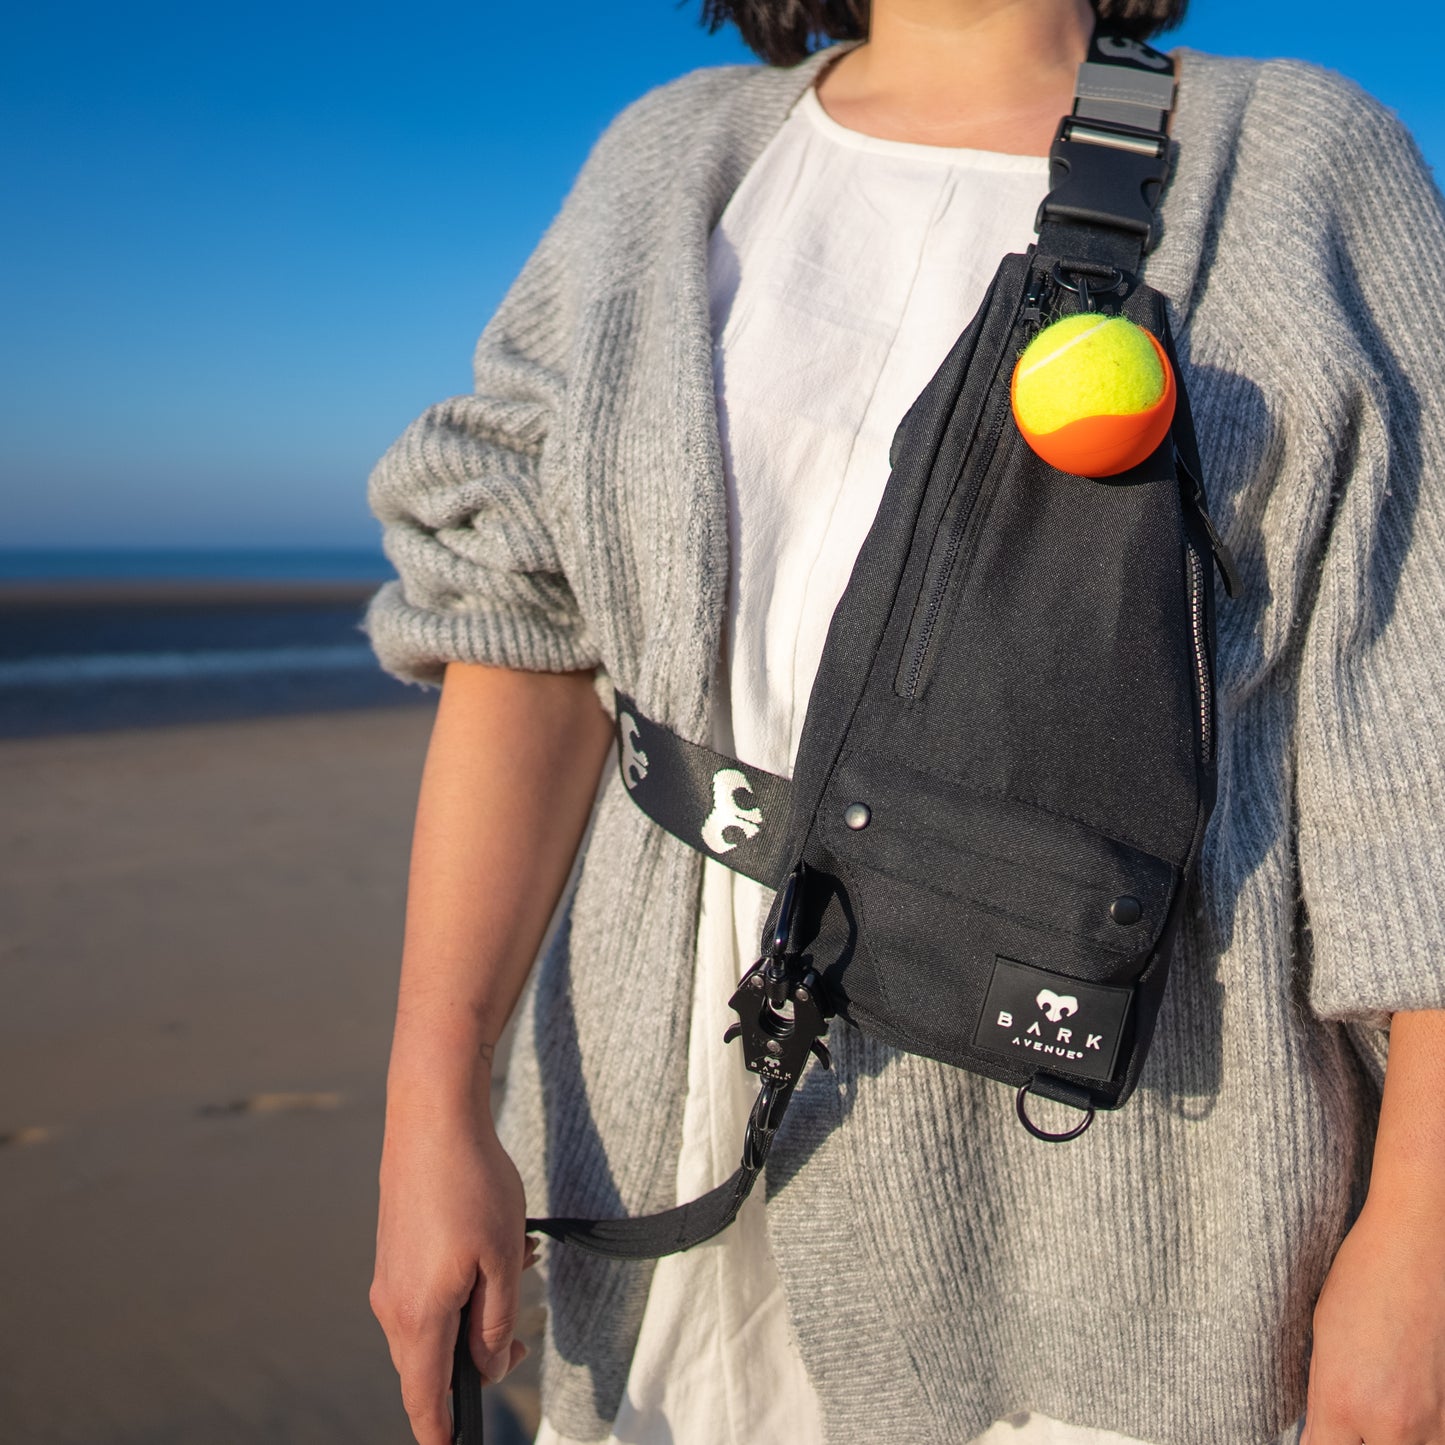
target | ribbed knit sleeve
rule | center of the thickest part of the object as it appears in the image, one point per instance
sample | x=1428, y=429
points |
x=1371, y=721
x=463, y=499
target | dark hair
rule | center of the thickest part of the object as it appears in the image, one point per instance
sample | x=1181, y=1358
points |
x=783, y=32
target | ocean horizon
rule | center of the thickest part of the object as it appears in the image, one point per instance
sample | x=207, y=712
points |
x=193, y=564
x=94, y=639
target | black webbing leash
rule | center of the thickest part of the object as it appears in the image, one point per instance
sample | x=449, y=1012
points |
x=1108, y=165
x=781, y=1021
x=466, y=1387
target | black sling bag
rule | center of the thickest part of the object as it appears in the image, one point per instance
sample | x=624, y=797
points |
x=1007, y=763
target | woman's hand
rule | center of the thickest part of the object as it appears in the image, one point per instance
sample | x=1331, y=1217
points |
x=1378, y=1370
x=1377, y=1373
x=451, y=1229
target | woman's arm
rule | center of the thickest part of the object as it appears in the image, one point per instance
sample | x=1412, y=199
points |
x=1378, y=1369
x=1368, y=744
x=510, y=777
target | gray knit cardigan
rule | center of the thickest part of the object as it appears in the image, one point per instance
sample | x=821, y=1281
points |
x=942, y=1268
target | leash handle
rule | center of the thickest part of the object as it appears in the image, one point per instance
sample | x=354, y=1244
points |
x=466, y=1387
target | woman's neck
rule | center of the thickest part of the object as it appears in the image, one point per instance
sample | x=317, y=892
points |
x=987, y=74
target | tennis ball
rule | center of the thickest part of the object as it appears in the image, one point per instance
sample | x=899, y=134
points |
x=1093, y=395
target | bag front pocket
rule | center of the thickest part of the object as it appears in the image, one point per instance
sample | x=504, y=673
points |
x=942, y=881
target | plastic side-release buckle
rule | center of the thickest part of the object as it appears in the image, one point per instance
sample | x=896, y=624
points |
x=1105, y=175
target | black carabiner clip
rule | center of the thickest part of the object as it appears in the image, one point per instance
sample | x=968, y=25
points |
x=1109, y=281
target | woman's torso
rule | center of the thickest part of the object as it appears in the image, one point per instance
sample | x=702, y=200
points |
x=839, y=276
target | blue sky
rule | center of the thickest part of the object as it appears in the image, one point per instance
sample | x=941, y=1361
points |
x=246, y=244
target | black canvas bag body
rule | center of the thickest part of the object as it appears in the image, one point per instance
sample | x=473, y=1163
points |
x=1008, y=758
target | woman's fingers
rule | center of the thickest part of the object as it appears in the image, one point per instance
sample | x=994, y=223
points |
x=422, y=1353
x=494, y=1318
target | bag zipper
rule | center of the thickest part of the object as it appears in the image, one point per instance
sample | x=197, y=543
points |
x=939, y=590
x=1194, y=494
x=1028, y=318
x=1201, y=653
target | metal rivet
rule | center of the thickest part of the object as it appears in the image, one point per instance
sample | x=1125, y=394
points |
x=756, y=981
x=774, y=1047
x=1125, y=910
x=857, y=815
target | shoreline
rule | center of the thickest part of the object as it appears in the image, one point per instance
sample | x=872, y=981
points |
x=100, y=656
x=181, y=593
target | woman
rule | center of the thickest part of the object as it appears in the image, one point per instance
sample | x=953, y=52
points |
x=1256, y=1219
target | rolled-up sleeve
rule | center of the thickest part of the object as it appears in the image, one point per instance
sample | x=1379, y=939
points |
x=463, y=497
x=1371, y=726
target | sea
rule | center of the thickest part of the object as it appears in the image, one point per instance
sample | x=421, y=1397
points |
x=95, y=640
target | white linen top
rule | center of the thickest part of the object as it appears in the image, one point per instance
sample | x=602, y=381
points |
x=841, y=273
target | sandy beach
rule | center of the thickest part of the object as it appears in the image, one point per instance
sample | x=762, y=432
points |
x=199, y=937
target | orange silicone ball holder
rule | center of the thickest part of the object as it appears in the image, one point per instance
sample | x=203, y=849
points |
x=1104, y=446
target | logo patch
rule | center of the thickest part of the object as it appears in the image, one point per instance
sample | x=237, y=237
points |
x=1026, y=1013
x=727, y=812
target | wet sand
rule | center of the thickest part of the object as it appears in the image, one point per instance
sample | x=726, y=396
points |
x=199, y=934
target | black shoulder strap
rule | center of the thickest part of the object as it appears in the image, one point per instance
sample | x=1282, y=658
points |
x=724, y=808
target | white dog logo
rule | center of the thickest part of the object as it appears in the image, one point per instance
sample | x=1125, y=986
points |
x=1126, y=49
x=727, y=814
x=634, y=760
x=1058, y=1007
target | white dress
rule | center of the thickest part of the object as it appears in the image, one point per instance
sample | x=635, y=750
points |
x=841, y=273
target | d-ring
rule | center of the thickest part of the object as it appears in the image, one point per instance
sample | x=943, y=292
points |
x=1111, y=281
x=1110, y=278
x=1022, y=1109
